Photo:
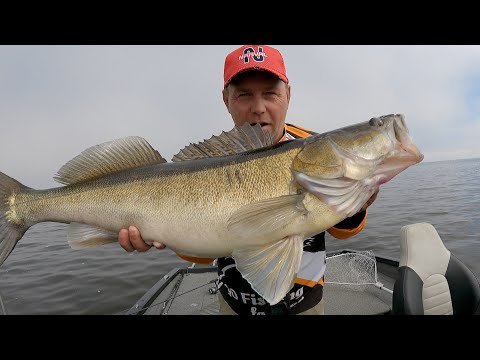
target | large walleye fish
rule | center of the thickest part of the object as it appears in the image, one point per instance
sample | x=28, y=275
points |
x=235, y=194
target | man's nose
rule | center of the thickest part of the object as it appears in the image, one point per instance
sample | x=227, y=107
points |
x=258, y=105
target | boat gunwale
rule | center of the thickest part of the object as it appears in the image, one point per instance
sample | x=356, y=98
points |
x=147, y=299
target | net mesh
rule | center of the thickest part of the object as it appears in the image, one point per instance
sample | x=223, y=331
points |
x=354, y=270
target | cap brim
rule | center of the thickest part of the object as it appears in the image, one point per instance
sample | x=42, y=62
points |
x=273, y=72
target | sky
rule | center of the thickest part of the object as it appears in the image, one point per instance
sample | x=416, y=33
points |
x=58, y=100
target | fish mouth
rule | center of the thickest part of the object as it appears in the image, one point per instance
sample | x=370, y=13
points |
x=405, y=145
x=403, y=155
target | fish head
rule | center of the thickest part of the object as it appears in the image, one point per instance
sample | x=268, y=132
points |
x=349, y=164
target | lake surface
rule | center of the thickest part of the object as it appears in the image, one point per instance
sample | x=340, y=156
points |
x=43, y=275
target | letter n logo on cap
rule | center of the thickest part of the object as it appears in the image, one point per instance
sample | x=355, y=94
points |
x=249, y=52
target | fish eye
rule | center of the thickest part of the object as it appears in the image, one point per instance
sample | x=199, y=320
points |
x=376, y=122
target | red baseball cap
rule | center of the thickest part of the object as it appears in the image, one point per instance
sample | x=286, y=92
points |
x=254, y=57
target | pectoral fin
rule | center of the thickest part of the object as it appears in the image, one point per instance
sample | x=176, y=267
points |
x=264, y=217
x=82, y=236
x=271, y=269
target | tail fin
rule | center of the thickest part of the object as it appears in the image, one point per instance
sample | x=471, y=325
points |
x=10, y=232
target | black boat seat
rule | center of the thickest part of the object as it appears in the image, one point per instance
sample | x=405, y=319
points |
x=432, y=281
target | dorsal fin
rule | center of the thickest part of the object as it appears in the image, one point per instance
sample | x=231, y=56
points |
x=102, y=159
x=239, y=139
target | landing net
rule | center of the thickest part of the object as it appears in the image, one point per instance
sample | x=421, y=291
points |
x=354, y=270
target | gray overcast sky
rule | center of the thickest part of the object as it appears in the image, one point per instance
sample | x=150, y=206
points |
x=55, y=101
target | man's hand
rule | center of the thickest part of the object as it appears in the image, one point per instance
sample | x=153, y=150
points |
x=131, y=240
x=370, y=201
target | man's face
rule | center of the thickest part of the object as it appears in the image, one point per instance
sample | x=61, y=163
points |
x=257, y=97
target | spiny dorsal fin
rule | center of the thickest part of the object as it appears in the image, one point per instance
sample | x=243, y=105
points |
x=100, y=160
x=239, y=139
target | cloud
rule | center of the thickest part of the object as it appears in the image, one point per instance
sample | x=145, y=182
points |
x=55, y=101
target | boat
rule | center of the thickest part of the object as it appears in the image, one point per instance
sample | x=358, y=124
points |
x=192, y=290
x=427, y=279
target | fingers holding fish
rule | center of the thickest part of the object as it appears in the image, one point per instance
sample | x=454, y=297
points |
x=131, y=240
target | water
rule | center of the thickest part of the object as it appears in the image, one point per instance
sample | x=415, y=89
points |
x=445, y=194
x=44, y=276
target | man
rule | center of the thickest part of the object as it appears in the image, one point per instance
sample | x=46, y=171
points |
x=257, y=91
